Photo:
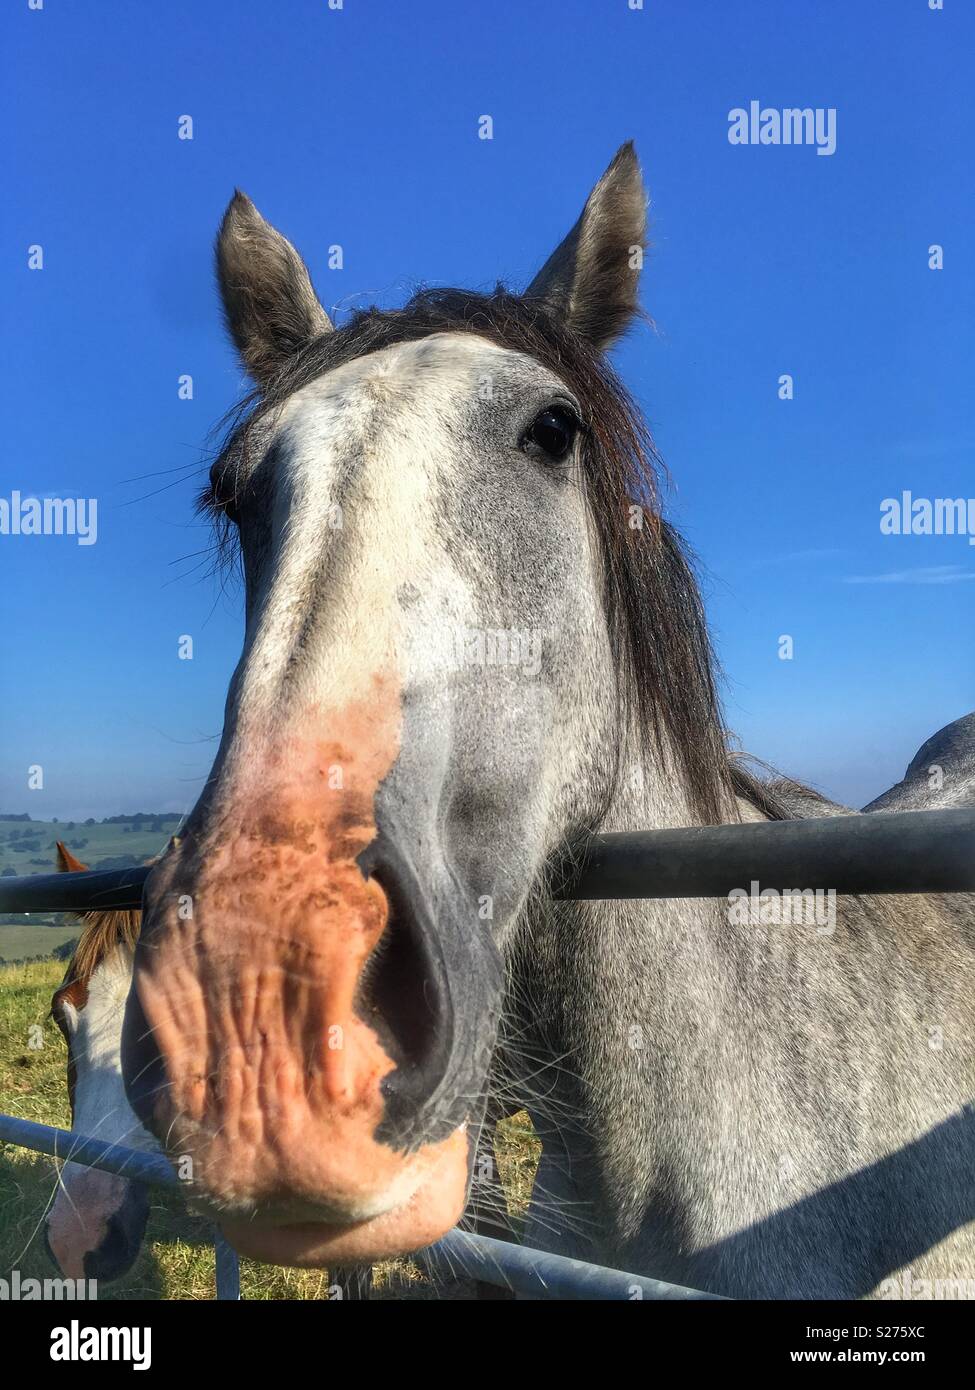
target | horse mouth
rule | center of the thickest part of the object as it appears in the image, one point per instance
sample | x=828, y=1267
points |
x=434, y=1206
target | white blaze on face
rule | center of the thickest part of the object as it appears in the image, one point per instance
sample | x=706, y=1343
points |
x=361, y=457
x=391, y=523
x=87, y=1198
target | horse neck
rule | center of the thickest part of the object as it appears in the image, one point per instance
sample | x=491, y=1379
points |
x=603, y=995
x=648, y=794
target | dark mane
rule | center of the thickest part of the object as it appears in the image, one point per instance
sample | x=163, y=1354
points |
x=663, y=655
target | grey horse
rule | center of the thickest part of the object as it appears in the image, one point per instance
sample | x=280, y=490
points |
x=471, y=640
x=941, y=773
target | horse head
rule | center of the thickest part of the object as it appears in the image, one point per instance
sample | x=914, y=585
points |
x=97, y=1219
x=445, y=520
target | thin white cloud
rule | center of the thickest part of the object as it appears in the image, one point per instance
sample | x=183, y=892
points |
x=792, y=557
x=924, y=574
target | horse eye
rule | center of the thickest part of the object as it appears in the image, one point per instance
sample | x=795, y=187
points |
x=552, y=433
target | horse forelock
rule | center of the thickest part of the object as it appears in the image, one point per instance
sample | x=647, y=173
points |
x=664, y=662
x=102, y=934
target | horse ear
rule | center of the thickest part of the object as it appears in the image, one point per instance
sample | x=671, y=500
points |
x=67, y=863
x=269, y=304
x=592, y=278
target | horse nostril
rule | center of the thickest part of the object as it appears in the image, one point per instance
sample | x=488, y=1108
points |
x=118, y=1251
x=397, y=996
x=403, y=992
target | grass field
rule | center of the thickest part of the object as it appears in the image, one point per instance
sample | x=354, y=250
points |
x=21, y=941
x=177, y=1259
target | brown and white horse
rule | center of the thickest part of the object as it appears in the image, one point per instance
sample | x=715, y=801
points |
x=97, y=1220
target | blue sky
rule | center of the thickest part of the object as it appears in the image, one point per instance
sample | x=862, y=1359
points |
x=360, y=127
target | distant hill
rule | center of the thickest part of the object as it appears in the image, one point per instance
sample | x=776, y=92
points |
x=137, y=836
x=138, y=818
x=27, y=846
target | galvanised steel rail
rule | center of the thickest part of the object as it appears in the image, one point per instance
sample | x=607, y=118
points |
x=531, y=1272
x=877, y=852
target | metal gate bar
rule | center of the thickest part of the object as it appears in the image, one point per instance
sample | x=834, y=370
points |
x=880, y=852
x=531, y=1272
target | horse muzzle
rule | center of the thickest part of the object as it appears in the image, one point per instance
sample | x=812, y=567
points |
x=96, y=1225
x=307, y=1034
